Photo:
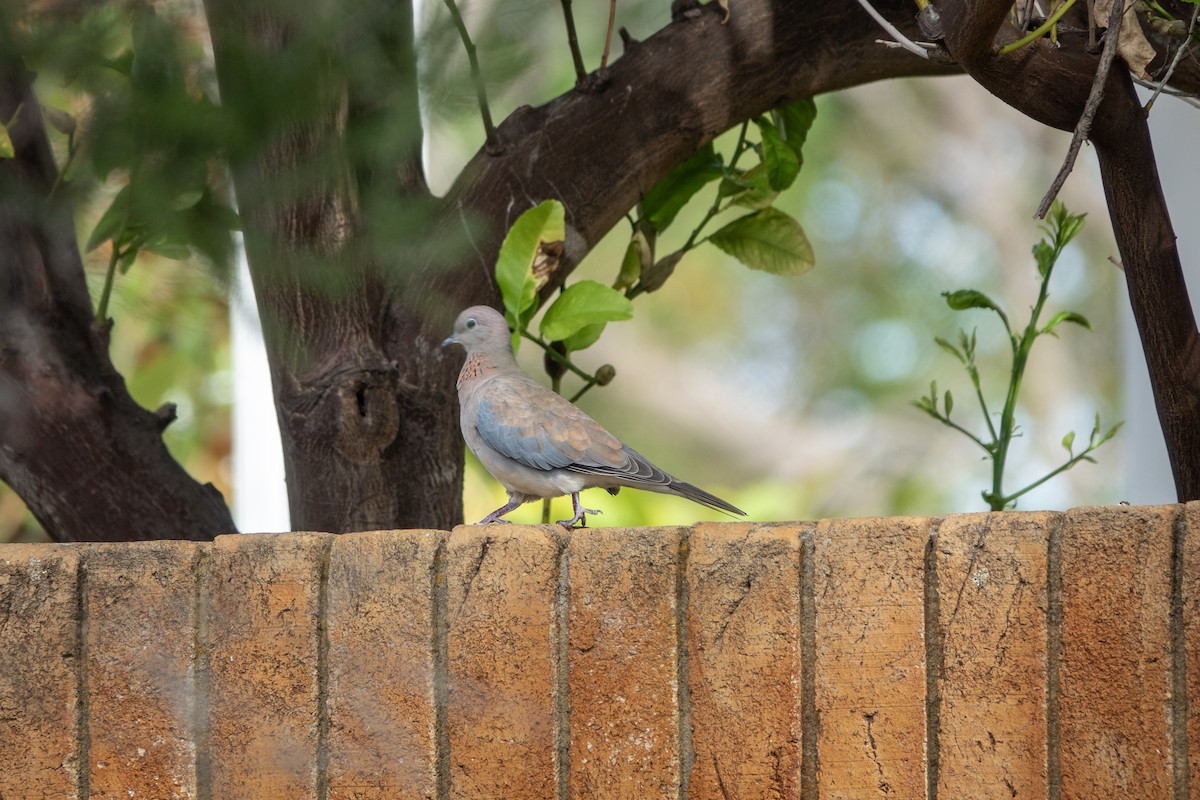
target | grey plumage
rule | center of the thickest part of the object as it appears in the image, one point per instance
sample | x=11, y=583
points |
x=537, y=443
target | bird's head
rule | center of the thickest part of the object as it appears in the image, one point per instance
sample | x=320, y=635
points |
x=480, y=328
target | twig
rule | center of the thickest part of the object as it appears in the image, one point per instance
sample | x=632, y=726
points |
x=612, y=15
x=476, y=75
x=893, y=31
x=1175, y=61
x=1037, y=32
x=1084, y=126
x=573, y=42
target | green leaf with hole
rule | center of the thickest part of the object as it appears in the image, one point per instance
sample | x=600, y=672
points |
x=514, y=265
x=582, y=304
x=767, y=240
x=671, y=194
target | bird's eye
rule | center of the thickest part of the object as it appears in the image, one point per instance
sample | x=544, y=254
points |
x=471, y=324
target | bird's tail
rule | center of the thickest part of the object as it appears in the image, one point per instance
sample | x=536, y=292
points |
x=698, y=495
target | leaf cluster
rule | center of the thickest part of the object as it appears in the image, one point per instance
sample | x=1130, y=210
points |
x=1061, y=228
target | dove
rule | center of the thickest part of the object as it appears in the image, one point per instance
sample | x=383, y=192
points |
x=536, y=443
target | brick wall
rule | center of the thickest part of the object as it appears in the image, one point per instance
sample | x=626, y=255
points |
x=1030, y=655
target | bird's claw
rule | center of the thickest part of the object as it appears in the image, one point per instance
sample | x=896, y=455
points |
x=580, y=517
x=491, y=520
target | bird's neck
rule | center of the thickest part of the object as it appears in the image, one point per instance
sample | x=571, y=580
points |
x=482, y=364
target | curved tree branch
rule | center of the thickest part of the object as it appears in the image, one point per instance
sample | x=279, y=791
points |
x=88, y=461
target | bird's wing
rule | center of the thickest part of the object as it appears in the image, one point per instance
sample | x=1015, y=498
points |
x=528, y=423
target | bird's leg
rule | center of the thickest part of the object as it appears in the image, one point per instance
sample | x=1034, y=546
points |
x=580, y=513
x=495, y=516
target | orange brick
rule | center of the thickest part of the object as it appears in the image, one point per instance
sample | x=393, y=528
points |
x=870, y=661
x=141, y=646
x=39, y=623
x=382, y=647
x=264, y=636
x=501, y=599
x=744, y=660
x=1116, y=579
x=1191, y=634
x=623, y=663
x=992, y=581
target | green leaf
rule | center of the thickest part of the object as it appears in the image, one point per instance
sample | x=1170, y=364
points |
x=514, y=265
x=794, y=120
x=1045, y=255
x=949, y=403
x=779, y=160
x=172, y=250
x=1068, y=442
x=127, y=259
x=951, y=349
x=585, y=337
x=749, y=189
x=664, y=201
x=188, y=199
x=767, y=240
x=1111, y=433
x=111, y=221
x=631, y=264
x=582, y=304
x=1066, y=316
x=6, y=145
x=970, y=298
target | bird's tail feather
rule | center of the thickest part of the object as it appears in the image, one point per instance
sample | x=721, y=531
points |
x=698, y=495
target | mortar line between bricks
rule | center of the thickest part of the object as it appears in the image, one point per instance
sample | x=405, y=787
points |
x=1054, y=652
x=809, y=721
x=440, y=649
x=933, y=665
x=322, y=787
x=201, y=739
x=687, y=753
x=1181, y=769
x=83, y=734
x=560, y=670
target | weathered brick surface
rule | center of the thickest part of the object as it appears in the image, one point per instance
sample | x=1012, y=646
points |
x=623, y=663
x=39, y=654
x=531, y=663
x=1116, y=599
x=264, y=638
x=141, y=667
x=382, y=649
x=1190, y=604
x=870, y=660
x=992, y=577
x=744, y=660
x=501, y=598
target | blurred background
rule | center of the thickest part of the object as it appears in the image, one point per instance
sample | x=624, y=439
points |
x=789, y=397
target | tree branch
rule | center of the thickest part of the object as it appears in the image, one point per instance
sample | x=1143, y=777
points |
x=88, y=461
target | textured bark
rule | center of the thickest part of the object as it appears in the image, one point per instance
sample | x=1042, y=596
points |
x=89, y=461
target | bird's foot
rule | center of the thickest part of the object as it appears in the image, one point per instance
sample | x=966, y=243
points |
x=581, y=513
x=492, y=519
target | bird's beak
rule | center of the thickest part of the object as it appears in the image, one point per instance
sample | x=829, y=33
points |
x=449, y=340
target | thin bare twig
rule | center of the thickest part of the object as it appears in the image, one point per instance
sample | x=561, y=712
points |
x=476, y=75
x=573, y=42
x=612, y=15
x=893, y=31
x=1175, y=61
x=1084, y=126
x=1191, y=98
